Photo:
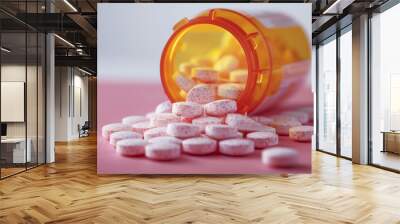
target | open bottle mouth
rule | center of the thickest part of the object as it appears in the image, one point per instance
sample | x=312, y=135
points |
x=212, y=41
x=205, y=46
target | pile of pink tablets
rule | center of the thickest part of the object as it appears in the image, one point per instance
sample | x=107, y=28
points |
x=200, y=129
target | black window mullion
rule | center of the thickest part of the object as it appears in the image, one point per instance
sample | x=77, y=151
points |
x=369, y=96
x=37, y=90
x=316, y=122
x=338, y=77
x=26, y=88
x=45, y=95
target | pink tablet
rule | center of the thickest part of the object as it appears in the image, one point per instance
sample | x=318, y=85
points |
x=220, y=107
x=280, y=157
x=301, y=133
x=202, y=122
x=155, y=132
x=202, y=93
x=163, y=119
x=165, y=139
x=263, y=139
x=131, y=147
x=164, y=107
x=187, y=109
x=163, y=151
x=282, y=125
x=120, y=135
x=243, y=123
x=199, y=146
x=129, y=120
x=220, y=131
x=183, y=130
x=108, y=129
x=141, y=127
x=236, y=147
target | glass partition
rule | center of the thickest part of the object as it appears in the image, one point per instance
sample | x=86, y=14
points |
x=41, y=96
x=14, y=153
x=22, y=100
x=346, y=93
x=31, y=99
x=385, y=89
x=327, y=96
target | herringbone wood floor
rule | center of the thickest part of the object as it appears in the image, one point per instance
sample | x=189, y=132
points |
x=70, y=191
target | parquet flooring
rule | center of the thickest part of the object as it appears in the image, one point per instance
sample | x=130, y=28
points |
x=70, y=191
x=10, y=171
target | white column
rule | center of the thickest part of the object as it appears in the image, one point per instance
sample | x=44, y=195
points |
x=360, y=90
x=50, y=99
x=50, y=92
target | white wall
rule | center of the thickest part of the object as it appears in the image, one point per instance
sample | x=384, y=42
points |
x=62, y=81
x=80, y=103
x=12, y=73
x=69, y=82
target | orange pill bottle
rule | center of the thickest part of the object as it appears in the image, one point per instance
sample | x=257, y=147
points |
x=275, y=51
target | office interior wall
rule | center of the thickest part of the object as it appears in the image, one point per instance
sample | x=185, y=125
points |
x=15, y=72
x=62, y=80
x=71, y=102
x=15, y=101
x=80, y=104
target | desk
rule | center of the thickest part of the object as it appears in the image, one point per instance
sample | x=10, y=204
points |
x=391, y=141
x=13, y=150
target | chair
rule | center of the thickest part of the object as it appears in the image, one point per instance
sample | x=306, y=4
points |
x=84, y=129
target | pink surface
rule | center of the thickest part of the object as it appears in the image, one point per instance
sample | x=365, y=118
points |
x=116, y=100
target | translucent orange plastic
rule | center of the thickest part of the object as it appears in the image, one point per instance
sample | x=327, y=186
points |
x=263, y=50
